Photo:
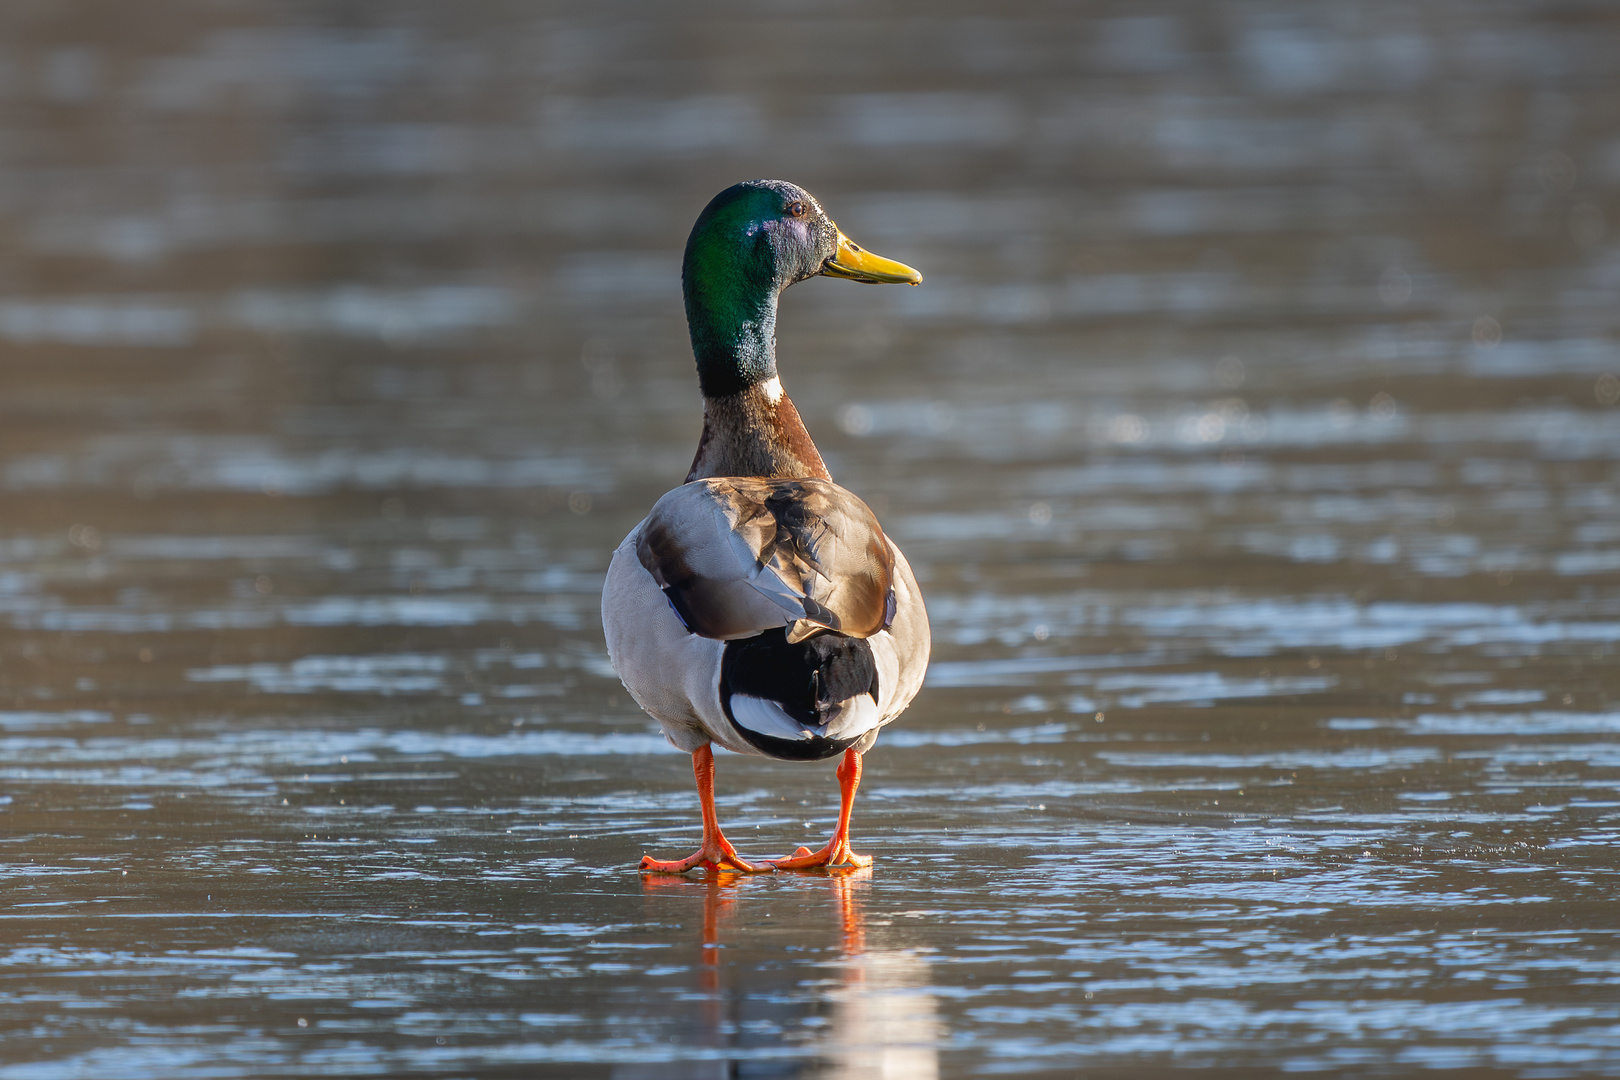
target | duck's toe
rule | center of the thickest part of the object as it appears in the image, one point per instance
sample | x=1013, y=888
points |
x=712, y=856
x=836, y=853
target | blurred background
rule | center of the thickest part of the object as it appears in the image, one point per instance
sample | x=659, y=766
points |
x=1254, y=436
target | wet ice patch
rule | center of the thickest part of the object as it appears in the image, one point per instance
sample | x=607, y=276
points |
x=255, y=464
x=1516, y=725
x=93, y=320
x=528, y=743
x=386, y=675
x=1370, y=759
x=1137, y=689
x=1014, y=670
x=189, y=548
x=395, y=673
x=1499, y=697
x=37, y=721
x=395, y=315
x=392, y=315
x=1261, y=626
x=902, y=737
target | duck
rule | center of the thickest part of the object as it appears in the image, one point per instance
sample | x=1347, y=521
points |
x=759, y=606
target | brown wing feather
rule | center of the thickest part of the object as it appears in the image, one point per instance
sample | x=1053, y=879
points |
x=737, y=555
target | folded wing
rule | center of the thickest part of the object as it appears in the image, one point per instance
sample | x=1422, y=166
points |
x=739, y=555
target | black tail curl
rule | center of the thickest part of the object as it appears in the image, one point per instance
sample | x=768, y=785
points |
x=808, y=680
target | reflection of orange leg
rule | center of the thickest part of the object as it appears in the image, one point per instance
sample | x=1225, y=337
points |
x=843, y=881
x=716, y=852
x=837, y=852
x=720, y=897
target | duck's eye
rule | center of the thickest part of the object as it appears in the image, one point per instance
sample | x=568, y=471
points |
x=795, y=209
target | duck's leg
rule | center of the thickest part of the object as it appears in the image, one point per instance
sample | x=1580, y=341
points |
x=716, y=852
x=837, y=852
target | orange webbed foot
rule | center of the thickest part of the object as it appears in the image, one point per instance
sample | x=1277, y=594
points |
x=835, y=854
x=650, y=865
x=719, y=857
x=716, y=853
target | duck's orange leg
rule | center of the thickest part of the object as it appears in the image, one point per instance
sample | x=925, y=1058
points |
x=716, y=852
x=837, y=852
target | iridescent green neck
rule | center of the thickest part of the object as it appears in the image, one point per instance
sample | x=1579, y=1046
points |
x=729, y=276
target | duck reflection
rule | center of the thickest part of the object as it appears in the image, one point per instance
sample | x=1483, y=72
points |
x=884, y=1020
x=877, y=1020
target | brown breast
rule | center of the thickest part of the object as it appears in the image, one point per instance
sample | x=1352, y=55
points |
x=755, y=433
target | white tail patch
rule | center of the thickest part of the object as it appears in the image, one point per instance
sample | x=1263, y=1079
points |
x=763, y=716
x=855, y=717
x=858, y=715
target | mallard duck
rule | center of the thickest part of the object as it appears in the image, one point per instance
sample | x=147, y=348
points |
x=759, y=605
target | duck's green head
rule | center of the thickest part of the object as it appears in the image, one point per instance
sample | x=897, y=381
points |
x=753, y=240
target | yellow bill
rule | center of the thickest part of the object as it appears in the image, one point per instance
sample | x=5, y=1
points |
x=856, y=263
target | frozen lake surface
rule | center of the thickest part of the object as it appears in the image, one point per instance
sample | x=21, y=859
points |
x=1254, y=438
